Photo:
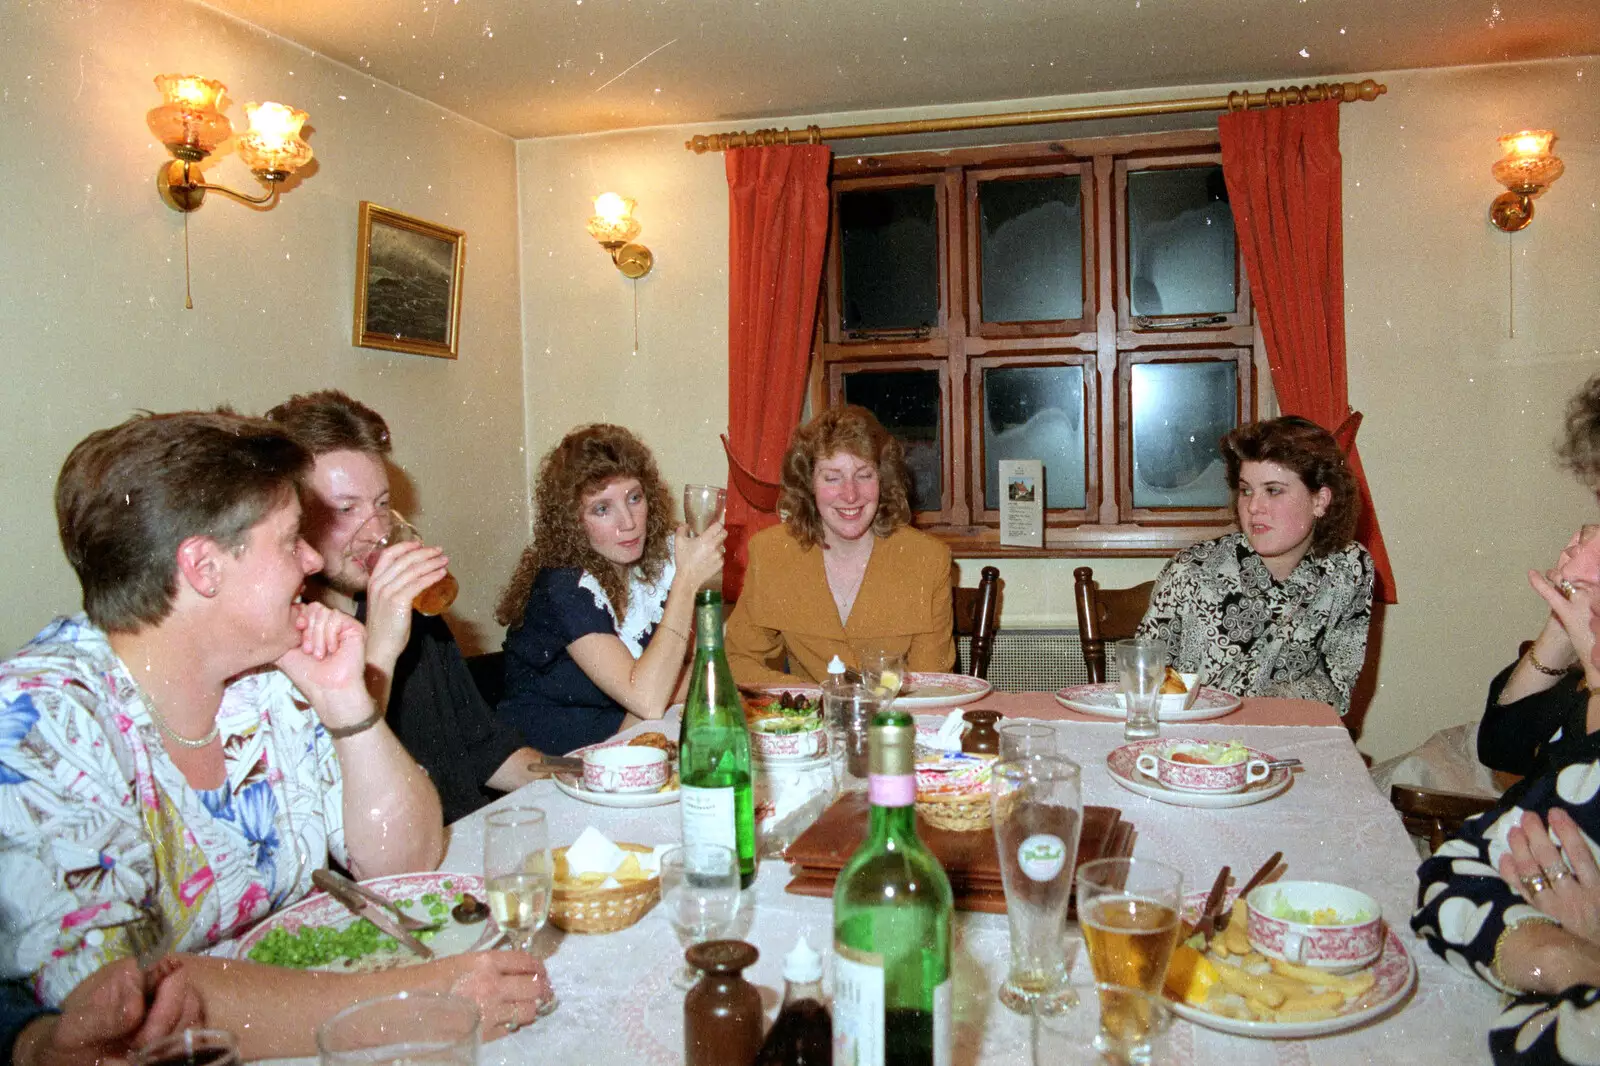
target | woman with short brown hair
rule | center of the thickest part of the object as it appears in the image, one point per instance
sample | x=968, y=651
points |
x=845, y=572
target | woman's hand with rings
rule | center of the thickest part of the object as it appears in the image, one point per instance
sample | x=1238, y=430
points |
x=511, y=989
x=1563, y=882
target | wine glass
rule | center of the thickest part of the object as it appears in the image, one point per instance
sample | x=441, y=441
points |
x=702, y=505
x=700, y=895
x=518, y=875
x=884, y=673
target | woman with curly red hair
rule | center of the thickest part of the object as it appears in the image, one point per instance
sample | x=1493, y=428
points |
x=600, y=606
x=845, y=571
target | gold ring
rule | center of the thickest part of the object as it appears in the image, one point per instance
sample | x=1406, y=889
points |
x=1558, y=874
x=1534, y=883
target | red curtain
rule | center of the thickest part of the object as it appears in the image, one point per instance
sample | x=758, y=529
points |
x=1283, y=170
x=777, y=234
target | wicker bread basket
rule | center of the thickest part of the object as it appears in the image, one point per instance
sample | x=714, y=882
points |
x=603, y=910
x=960, y=812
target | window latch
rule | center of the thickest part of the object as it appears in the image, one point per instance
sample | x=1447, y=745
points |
x=907, y=333
x=1146, y=322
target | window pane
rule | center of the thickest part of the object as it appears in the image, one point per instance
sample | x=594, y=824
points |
x=1180, y=242
x=1035, y=412
x=1180, y=412
x=1031, y=248
x=907, y=403
x=889, y=258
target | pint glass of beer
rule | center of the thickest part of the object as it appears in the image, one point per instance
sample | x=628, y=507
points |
x=437, y=597
x=1128, y=910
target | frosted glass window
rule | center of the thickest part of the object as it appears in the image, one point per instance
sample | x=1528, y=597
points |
x=1031, y=248
x=1035, y=412
x=1180, y=242
x=889, y=258
x=1180, y=412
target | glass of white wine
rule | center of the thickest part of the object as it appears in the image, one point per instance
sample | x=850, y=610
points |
x=702, y=505
x=884, y=674
x=518, y=875
x=700, y=896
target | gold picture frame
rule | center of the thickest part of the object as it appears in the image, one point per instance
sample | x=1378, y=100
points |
x=408, y=283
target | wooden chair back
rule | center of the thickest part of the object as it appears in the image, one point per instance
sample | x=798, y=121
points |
x=1105, y=616
x=1433, y=815
x=976, y=613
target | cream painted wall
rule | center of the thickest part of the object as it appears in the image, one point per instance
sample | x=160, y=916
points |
x=92, y=323
x=1459, y=418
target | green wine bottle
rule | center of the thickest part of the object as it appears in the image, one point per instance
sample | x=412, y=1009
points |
x=891, y=923
x=714, y=754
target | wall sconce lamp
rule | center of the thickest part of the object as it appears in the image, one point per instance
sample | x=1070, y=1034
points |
x=614, y=226
x=1526, y=170
x=189, y=124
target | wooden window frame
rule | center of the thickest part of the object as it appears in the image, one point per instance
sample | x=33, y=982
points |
x=1108, y=343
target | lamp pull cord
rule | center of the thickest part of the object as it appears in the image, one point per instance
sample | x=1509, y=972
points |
x=1511, y=290
x=636, y=316
x=188, y=300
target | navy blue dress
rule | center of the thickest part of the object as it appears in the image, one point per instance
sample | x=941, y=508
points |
x=548, y=697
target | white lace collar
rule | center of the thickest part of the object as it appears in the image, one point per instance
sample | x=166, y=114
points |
x=647, y=601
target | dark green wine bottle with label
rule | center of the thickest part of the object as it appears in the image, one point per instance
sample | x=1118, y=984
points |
x=714, y=754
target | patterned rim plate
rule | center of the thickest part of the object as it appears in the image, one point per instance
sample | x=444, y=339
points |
x=1123, y=764
x=403, y=889
x=1394, y=972
x=1100, y=699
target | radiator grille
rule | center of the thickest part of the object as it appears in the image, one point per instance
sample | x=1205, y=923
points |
x=1034, y=660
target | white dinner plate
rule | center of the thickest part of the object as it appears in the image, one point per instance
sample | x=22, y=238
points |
x=1103, y=700
x=403, y=890
x=1123, y=764
x=1394, y=975
x=573, y=786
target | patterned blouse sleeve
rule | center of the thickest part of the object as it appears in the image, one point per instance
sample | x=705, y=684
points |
x=77, y=866
x=1463, y=905
x=1344, y=649
x=1175, y=592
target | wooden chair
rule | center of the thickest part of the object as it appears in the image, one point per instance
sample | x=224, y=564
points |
x=1433, y=815
x=1105, y=616
x=977, y=615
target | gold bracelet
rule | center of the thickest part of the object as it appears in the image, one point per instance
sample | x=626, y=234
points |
x=1548, y=671
x=1500, y=944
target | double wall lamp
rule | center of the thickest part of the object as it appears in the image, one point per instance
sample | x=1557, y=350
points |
x=614, y=226
x=1526, y=170
x=191, y=127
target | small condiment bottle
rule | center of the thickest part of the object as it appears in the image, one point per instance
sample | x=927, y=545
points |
x=722, y=1014
x=983, y=738
x=803, y=1033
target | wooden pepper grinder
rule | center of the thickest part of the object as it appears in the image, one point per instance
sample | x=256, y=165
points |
x=722, y=1014
x=982, y=738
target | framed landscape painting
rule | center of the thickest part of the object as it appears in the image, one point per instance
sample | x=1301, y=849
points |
x=408, y=283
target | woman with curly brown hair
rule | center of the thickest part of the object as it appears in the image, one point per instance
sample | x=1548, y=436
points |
x=845, y=571
x=601, y=603
x=1281, y=607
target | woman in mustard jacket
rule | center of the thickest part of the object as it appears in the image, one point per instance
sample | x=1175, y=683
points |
x=845, y=571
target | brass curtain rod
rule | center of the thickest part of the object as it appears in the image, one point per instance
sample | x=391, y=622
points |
x=1346, y=92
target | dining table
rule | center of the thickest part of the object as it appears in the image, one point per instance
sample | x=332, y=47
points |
x=619, y=1007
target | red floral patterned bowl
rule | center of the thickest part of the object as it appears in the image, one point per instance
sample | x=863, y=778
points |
x=1191, y=766
x=1346, y=933
x=804, y=744
x=624, y=768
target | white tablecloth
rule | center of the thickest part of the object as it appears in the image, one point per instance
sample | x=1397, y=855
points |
x=618, y=1007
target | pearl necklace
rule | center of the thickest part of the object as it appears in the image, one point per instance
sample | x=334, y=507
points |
x=172, y=734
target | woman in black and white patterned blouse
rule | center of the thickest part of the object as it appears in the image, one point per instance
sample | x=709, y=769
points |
x=1280, y=608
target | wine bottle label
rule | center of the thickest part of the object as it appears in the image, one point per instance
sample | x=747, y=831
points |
x=943, y=1023
x=708, y=816
x=1042, y=856
x=858, y=1018
x=892, y=790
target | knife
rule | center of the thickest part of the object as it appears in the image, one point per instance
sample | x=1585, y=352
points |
x=546, y=765
x=357, y=902
x=1255, y=879
x=1207, y=924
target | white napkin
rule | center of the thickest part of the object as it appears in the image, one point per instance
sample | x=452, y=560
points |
x=949, y=736
x=593, y=853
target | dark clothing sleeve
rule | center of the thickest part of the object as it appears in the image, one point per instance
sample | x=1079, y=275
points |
x=1539, y=731
x=441, y=719
x=549, y=700
x=18, y=1007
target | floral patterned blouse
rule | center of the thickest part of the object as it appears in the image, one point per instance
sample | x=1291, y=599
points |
x=107, y=851
x=1225, y=617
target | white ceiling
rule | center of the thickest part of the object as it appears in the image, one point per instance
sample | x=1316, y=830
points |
x=536, y=68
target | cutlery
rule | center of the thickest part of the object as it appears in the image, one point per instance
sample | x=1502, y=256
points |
x=1259, y=876
x=406, y=921
x=549, y=765
x=1207, y=924
x=1283, y=764
x=358, y=902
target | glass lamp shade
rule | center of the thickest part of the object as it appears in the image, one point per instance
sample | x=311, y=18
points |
x=274, y=144
x=1528, y=166
x=188, y=122
x=613, y=221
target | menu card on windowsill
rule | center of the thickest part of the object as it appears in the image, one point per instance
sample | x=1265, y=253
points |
x=1022, y=502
